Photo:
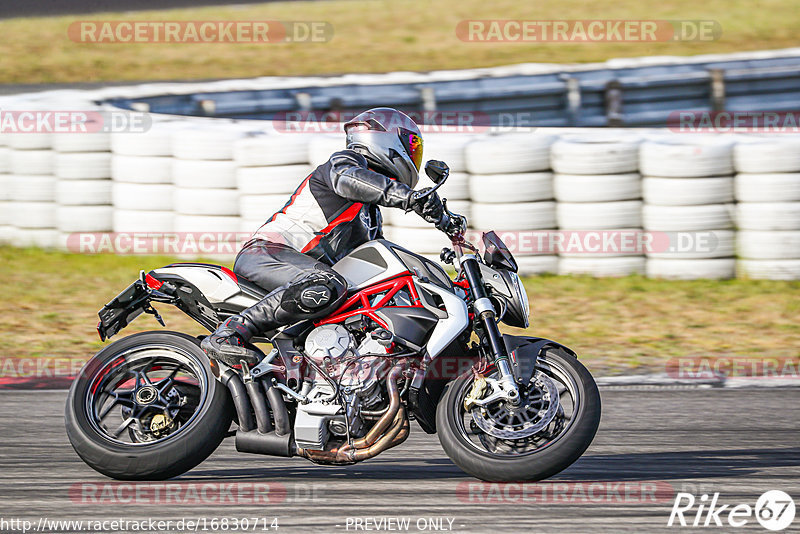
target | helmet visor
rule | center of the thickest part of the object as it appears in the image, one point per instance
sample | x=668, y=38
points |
x=412, y=142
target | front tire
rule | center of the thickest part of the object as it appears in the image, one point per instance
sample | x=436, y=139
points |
x=174, y=413
x=467, y=448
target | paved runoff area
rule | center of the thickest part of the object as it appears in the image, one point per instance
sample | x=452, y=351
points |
x=701, y=456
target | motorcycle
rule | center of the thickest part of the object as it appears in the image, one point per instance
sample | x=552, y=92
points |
x=409, y=343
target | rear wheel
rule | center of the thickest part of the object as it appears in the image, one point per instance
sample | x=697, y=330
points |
x=147, y=407
x=550, y=429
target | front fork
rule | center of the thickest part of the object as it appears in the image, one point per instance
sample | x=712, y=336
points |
x=487, y=315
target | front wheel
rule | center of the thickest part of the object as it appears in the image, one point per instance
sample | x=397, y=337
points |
x=550, y=429
x=147, y=407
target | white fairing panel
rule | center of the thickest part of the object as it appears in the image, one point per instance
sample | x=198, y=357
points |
x=215, y=285
x=447, y=329
x=368, y=264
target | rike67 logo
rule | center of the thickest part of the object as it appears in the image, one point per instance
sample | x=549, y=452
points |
x=774, y=510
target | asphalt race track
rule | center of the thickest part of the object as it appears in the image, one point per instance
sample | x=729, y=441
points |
x=652, y=444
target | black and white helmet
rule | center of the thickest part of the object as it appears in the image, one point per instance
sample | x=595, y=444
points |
x=390, y=140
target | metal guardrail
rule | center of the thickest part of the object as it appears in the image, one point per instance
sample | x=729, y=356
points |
x=635, y=96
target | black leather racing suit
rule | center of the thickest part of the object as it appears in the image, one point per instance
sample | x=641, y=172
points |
x=333, y=211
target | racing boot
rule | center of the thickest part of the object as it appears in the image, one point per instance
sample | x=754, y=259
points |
x=230, y=343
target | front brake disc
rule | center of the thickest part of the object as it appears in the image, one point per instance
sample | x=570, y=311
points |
x=525, y=421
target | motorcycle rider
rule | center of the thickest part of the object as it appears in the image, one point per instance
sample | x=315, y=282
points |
x=333, y=211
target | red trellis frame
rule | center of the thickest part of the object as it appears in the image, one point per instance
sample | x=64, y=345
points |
x=392, y=287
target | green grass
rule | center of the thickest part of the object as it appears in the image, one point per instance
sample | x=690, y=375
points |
x=50, y=302
x=375, y=36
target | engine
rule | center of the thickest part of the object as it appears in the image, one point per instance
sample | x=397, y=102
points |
x=356, y=367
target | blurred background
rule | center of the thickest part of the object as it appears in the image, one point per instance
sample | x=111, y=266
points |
x=571, y=132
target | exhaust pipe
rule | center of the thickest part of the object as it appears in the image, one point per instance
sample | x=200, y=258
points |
x=241, y=401
x=270, y=444
x=391, y=430
x=256, y=394
x=279, y=411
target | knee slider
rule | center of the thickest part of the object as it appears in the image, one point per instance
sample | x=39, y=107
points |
x=314, y=294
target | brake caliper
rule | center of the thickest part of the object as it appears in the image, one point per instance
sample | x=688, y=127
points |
x=478, y=388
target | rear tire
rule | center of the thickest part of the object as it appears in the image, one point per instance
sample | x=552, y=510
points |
x=163, y=459
x=536, y=465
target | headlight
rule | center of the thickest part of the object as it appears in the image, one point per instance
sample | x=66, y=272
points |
x=521, y=296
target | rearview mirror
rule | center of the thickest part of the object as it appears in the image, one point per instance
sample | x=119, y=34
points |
x=437, y=171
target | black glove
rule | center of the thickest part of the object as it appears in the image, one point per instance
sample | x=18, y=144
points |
x=428, y=207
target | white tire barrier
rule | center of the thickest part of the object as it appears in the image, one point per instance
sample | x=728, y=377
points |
x=687, y=218
x=141, y=221
x=83, y=165
x=595, y=154
x=419, y=240
x=6, y=185
x=82, y=142
x=143, y=197
x=702, y=245
x=602, y=267
x=687, y=191
x=397, y=217
x=206, y=224
x=249, y=226
x=519, y=216
x=32, y=161
x=685, y=269
x=83, y=192
x=261, y=207
x=206, y=201
x=85, y=218
x=769, y=269
x=599, y=215
x=686, y=157
x=321, y=146
x=220, y=174
x=29, y=141
x=767, y=154
x=207, y=142
x=280, y=179
x=597, y=188
x=509, y=153
x=155, y=141
x=5, y=160
x=33, y=214
x=277, y=149
x=532, y=265
x=509, y=188
x=455, y=188
x=447, y=147
x=7, y=232
x=768, y=216
x=30, y=188
x=767, y=187
x=768, y=245
x=141, y=169
x=46, y=238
